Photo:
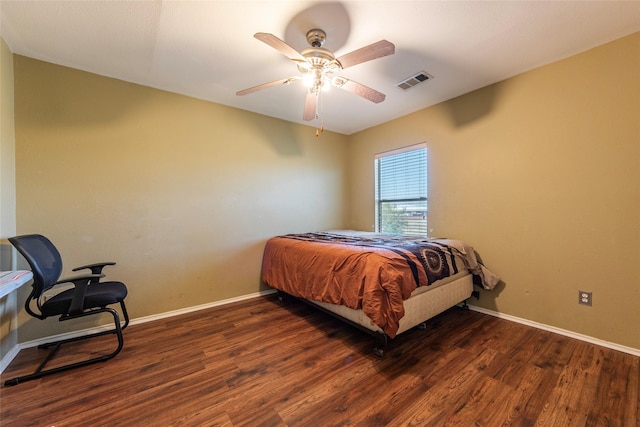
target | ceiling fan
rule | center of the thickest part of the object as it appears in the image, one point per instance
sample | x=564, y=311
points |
x=317, y=66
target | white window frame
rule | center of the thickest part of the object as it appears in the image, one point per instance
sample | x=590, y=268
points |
x=413, y=224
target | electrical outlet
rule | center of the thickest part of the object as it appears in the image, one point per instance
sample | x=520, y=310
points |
x=584, y=298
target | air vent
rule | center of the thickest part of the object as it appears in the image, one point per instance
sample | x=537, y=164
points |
x=414, y=80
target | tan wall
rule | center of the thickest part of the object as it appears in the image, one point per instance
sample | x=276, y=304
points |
x=181, y=193
x=8, y=304
x=541, y=174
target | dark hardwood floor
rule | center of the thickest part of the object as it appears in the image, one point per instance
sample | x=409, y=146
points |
x=262, y=363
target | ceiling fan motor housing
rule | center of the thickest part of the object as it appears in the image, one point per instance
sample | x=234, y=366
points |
x=316, y=37
x=322, y=58
x=318, y=57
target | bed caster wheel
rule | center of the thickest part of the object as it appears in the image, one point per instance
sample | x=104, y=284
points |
x=378, y=352
x=283, y=298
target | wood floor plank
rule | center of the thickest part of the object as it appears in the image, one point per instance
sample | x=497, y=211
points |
x=570, y=400
x=487, y=403
x=264, y=363
x=617, y=384
x=531, y=392
x=451, y=392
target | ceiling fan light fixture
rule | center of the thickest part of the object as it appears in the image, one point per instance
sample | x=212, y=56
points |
x=308, y=79
x=317, y=65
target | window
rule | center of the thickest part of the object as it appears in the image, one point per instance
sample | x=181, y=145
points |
x=401, y=191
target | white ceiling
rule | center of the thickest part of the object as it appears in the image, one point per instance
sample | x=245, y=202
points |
x=206, y=49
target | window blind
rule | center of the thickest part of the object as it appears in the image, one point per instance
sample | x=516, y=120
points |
x=401, y=192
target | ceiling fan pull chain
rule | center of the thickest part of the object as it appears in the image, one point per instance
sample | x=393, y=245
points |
x=319, y=129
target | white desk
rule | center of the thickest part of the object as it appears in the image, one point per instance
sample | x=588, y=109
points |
x=12, y=280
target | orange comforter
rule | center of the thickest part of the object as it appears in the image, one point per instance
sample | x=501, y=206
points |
x=372, y=274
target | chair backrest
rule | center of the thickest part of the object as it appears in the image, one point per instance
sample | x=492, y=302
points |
x=44, y=259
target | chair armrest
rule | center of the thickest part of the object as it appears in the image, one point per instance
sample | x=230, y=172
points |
x=95, y=268
x=78, y=279
x=80, y=284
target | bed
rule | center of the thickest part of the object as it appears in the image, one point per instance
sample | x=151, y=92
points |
x=382, y=283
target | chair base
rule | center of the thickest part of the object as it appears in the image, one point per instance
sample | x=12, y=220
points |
x=41, y=372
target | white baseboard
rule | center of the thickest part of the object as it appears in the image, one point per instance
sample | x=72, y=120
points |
x=6, y=360
x=570, y=334
x=9, y=357
x=168, y=314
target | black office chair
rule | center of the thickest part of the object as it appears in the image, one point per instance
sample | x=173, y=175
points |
x=88, y=297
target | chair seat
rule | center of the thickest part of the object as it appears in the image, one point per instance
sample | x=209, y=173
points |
x=98, y=295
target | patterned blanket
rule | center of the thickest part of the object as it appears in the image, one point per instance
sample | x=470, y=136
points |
x=436, y=258
x=368, y=271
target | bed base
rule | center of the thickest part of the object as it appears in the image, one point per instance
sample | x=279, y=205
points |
x=418, y=309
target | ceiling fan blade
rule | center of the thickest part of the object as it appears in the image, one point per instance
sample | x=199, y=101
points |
x=267, y=85
x=367, y=53
x=359, y=89
x=280, y=46
x=310, y=105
